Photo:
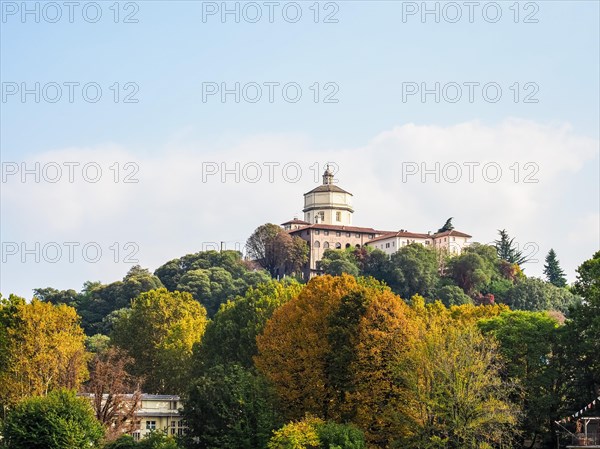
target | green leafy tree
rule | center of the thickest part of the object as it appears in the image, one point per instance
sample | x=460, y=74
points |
x=69, y=297
x=470, y=272
x=231, y=336
x=171, y=272
x=336, y=262
x=211, y=287
x=59, y=420
x=527, y=344
x=534, y=294
x=554, y=273
x=414, y=270
x=97, y=301
x=229, y=407
x=580, y=339
x=451, y=295
x=159, y=333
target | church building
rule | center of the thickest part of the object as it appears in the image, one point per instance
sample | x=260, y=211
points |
x=327, y=224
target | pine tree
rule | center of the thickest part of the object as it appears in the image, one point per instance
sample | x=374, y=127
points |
x=447, y=226
x=508, y=250
x=554, y=273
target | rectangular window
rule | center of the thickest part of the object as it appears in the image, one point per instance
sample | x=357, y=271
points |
x=348, y=234
x=338, y=216
x=387, y=245
x=150, y=425
x=357, y=236
x=338, y=233
x=317, y=231
x=370, y=236
x=326, y=232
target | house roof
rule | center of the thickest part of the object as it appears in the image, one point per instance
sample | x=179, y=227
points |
x=328, y=188
x=410, y=235
x=416, y=235
x=295, y=221
x=329, y=227
x=453, y=232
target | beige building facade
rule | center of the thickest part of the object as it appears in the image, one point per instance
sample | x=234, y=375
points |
x=327, y=224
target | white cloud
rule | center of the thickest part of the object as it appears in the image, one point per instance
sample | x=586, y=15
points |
x=171, y=211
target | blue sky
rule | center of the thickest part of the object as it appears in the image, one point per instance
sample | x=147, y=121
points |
x=370, y=132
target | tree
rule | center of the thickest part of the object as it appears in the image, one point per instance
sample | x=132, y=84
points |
x=414, y=270
x=231, y=336
x=60, y=420
x=447, y=226
x=313, y=432
x=97, y=302
x=171, y=272
x=211, y=287
x=527, y=344
x=451, y=295
x=452, y=393
x=229, y=407
x=42, y=348
x=159, y=333
x=470, y=272
x=508, y=250
x=580, y=339
x=337, y=262
x=554, y=273
x=328, y=352
x=69, y=297
x=275, y=250
x=114, y=392
x=534, y=294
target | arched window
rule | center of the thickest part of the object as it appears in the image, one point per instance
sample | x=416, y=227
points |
x=357, y=245
x=317, y=244
x=338, y=246
x=326, y=245
x=348, y=245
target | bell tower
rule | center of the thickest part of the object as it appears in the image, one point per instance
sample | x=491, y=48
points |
x=328, y=203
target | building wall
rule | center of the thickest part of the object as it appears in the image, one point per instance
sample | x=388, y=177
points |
x=329, y=203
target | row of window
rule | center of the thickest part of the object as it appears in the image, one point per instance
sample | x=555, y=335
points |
x=321, y=215
x=338, y=245
x=337, y=233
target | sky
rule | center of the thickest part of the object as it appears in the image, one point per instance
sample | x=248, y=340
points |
x=138, y=132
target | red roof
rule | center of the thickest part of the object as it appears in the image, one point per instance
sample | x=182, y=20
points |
x=340, y=228
x=295, y=221
x=452, y=232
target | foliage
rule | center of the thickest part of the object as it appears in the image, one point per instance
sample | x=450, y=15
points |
x=297, y=435
x=59, y=420
x=527, y=343
x=231, y=336
x=580, y=338
x=214, y=286
x=508, y=250
x=447, y=226
x=41, y=349
x=554, y=273
x=451, y=295
x=114, y=393
x=159, y=333
x=452, y=394
x=470, y=272
x=338, y=262
x=276, y=251
x=97, y=301
x=315, y=433
x=229, y=407
x=536, y=295
x=328, y=351
x=414, y=270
